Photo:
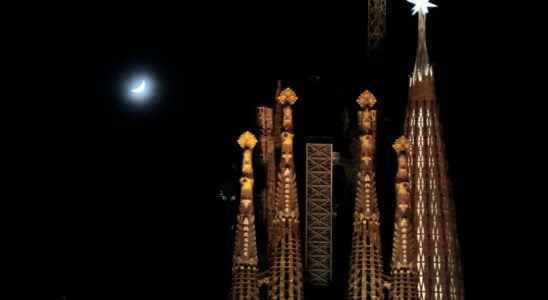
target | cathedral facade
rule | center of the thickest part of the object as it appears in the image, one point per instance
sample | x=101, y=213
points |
x=300, y=252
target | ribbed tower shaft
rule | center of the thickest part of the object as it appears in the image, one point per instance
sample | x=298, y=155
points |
x=286, y=270
x=366, y=270
x=438, y=262
x=403, y=266
x=245, y=261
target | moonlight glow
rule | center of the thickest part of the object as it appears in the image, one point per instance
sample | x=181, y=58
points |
x=421, y=6
x=139, y=89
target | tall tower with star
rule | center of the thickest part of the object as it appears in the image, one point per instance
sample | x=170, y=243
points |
x=286, y=282
x=245, y=260
x=438, y=262
x=366, y=270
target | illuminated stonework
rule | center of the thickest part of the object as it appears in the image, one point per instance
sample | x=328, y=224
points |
x=247, y=140
x=438, y=262
x=287, y=97
x=366, y=270
x=425, y=258
x=422, y=69
x=403, y=267
x=245, y=260
x=286, y=269
x=366, y=100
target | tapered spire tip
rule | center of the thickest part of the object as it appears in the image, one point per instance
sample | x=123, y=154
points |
x=287, y=96
x=366, y=100
x=402, y=144
x=247, y=140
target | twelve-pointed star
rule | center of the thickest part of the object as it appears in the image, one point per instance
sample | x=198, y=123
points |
x=421, y=6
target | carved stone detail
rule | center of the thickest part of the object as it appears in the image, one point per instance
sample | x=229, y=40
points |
x=403, y=268
x=245, y=261
x=287, y=270
x=366, y=270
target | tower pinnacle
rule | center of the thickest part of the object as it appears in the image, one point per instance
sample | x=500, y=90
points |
x=287, y=96
x=366, y=100
x=422, y=67
x=366, y=281
x=247, y=141
x=403, y=269
x=286, y=270
x=434, y=223
x=245, y=261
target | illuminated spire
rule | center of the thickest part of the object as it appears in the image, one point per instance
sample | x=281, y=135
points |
x=422, y=67
x=366, y=268
x=286, y=270
x=403, y=268
x=245, y=261
x=437, y=252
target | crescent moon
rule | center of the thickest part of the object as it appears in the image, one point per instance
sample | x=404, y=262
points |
x=140, y=88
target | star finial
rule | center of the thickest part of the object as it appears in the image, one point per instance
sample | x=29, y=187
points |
x=421, y=6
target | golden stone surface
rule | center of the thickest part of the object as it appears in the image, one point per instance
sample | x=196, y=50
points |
x=287, y=96
x=401, y=144
x=366, y=99
x=247, y=140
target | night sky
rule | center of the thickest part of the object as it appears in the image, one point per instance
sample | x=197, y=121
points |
x=138, y=206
